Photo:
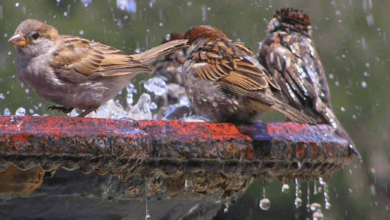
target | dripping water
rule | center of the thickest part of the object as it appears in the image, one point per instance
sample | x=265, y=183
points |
x=265, y=203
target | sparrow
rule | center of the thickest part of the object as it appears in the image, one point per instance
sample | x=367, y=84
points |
x=289, y=55
x=75, y=72
x=226, y=83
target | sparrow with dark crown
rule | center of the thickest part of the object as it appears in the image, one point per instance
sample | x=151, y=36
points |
x=289, y=55
x=75, y=72
x=226, y=83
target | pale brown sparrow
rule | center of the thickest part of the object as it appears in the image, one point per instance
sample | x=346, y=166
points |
x=75, y=72
x=226, y=83
x=289, y=55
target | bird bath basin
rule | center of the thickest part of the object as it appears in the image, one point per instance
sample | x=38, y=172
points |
x=182, y=168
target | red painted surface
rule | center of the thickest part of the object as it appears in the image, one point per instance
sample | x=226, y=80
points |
x=121, y=146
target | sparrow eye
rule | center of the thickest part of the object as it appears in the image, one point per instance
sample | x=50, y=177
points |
x=35, y=36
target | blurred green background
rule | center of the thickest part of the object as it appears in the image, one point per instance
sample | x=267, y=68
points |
x=350, y=35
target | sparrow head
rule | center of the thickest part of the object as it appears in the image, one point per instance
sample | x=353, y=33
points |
x=203, y=31
x=33, y=36
x=290, y=20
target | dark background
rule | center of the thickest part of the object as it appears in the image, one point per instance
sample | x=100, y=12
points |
x=350, y=35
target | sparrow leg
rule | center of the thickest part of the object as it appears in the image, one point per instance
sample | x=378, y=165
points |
x=60, y=108
x=86, y=112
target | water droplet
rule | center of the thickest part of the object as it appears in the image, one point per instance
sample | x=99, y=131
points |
x=66, y=14
x=342, y=109
x=138, y=50
x=315, y=206
x=204, y=13
x=153, y=106
x=366, y=74
x=86, y=2
x=17, y=4
x=226, y=210
x=298, y=191
x=327, y=205
x=265, y=204
x=168, y=37
x=160, y=24
x=308, y=196
x=9, y=53
x=331, y=76
x=318, y=215
x=285, y=188
x=364, y=84
x=129, y=99
x=7, y=112
x=81, y=32
x=298, y=202
x=20, y=111
x=156, y=85
x=2, y=96
x=370, y=20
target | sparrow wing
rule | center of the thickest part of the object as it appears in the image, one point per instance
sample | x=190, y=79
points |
x=79, y=60
x=230, y=64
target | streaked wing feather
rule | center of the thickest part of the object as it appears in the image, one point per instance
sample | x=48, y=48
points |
x=79, y=58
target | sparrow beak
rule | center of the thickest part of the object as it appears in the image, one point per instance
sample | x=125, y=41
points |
x=18, y=40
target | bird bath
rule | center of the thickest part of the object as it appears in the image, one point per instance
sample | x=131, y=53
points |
x=186, y=168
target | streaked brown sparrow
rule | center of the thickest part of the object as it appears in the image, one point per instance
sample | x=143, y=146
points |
x=289, y=55
x=226, y=83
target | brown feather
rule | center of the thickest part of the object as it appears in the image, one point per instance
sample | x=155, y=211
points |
x=80, y=56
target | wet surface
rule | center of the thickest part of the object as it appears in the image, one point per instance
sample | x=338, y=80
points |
x=167, y=160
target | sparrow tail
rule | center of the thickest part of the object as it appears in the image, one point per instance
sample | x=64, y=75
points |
x=332, y=120
x=292, y=113
x=164, y=49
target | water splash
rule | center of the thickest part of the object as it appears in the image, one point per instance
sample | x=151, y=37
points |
x=141, y=110
x=20, y=111
x=127, y=5
x=156, y=85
